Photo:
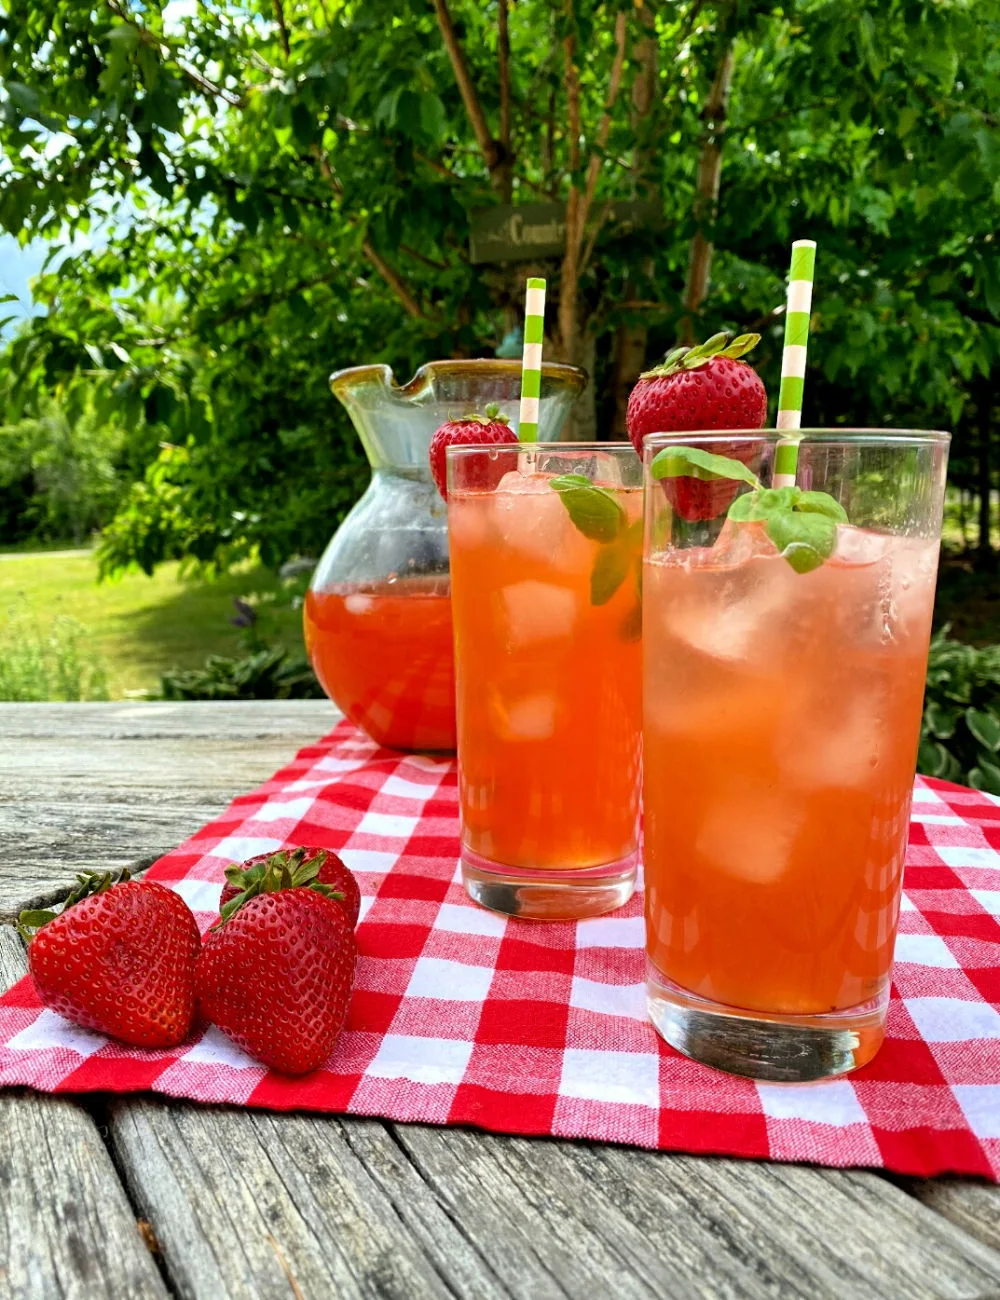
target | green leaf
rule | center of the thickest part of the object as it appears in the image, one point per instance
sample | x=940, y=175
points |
x=692, y=462
x=821, y=503
x=985, y=776
x=23, y=97
x=761, y=504
x=593, y=510
x=610, y=570
x=432, y=117
x=805, y=540
x=740, y=346
x=940, y=720
x=985, y=727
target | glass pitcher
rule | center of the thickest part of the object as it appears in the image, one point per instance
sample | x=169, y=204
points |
x=377, y=615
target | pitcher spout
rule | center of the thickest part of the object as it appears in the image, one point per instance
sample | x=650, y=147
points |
x=396, y=422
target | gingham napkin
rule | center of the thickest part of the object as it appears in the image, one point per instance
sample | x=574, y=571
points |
x=462, y=1017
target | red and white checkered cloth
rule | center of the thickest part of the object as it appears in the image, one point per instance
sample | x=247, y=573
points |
x=460, y=1016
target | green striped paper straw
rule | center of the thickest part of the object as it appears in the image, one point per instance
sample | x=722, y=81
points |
x=793, y=358
x=531, y=361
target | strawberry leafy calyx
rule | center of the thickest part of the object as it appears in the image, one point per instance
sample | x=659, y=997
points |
x=719, y=345
x=89, y=884
x=491, y=415
x=286, y=869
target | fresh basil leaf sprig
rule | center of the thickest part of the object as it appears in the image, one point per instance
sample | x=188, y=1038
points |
x=801, y=524
x=593, y=510
x=596, y=513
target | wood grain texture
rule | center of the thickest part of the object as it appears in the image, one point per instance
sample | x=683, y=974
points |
x=242, y=1202
x=359, y=1208
x=66, y=1227
x=973, y=1206
x=103, y=786
x=252, y=1204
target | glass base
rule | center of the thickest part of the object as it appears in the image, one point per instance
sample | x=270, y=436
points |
x=775, y=1048
x=544, y=894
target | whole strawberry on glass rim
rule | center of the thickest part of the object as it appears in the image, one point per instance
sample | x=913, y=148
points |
x=119, y=958
x=276, y=973
x=330, y=871
x=701, y=388
x=470, y=431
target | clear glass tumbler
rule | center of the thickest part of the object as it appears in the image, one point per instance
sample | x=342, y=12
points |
x=546, y=550
x=785, y=637
x=377, y=617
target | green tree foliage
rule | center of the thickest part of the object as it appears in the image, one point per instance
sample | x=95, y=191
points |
x=60, y=470
x=291, y=183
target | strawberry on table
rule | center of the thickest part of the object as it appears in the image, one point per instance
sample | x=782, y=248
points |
x=275, y=975
x=119, y=958
x=332, y=872
x=704, y=387
x=470, y=431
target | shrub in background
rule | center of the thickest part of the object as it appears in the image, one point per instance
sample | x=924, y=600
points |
x=59, y=474
x=960, y=736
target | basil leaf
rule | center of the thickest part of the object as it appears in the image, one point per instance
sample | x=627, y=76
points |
x=821, y=503
x=594, y=511
x=743, y=510
x=692, y=462
x=805, y=540
x=763, y=503
x=609, y=572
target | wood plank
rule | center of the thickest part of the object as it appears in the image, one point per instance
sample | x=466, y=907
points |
x=359, y=1208
x=973, y=1206
x=66, y=1227
x=243, y=1202
x=687, y=1225
x=102, y=786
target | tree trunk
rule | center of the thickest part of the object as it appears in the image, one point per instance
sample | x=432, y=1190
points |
x=629, y=359
x=582, y=423
x=630, y=340
x=706, y=194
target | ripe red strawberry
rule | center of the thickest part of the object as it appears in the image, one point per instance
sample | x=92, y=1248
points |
x=119, y=958
x=471, y=431
x=706, y=387
x=332, y=872
x=276, y=973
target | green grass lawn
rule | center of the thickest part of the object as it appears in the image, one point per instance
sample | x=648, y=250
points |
x=141, y=626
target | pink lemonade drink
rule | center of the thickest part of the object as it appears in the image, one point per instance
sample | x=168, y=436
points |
x=782, y=717
x=383, y=653
x=547, y=666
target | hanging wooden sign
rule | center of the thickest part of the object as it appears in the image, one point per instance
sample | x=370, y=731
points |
x=527, y=231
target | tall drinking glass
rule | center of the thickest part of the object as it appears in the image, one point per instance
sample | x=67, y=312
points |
x=785, y=641
x=546, y=550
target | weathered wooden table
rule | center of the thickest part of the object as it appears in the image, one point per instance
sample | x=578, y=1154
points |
x=144, y=1197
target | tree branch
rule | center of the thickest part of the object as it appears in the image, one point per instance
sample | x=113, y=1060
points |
x=490, y=149
x=279, y=18
x=569, y=275
x=391, y=276
x=503, y=69
x=594, y=165
x=166, y=50
x=394, y=280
